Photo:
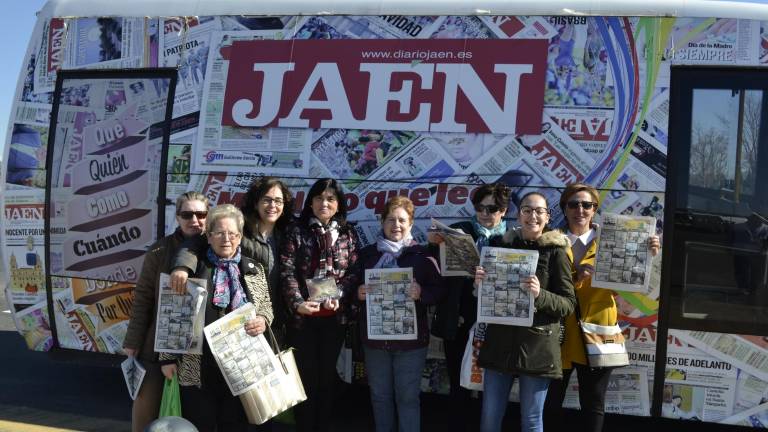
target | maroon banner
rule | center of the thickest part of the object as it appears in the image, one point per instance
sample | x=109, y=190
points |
x=452, y=85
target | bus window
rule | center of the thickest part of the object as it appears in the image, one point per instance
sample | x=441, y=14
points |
x=719, y=241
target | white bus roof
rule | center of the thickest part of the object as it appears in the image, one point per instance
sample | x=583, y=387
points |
x=163, y=8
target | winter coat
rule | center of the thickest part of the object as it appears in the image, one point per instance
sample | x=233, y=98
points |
x=254, y=282
x=299, y=253
x=596, y=306
x=141, y=327
x=426, y=273
x=535, y=350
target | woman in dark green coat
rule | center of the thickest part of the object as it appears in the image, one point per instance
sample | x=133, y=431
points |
x=530, y=353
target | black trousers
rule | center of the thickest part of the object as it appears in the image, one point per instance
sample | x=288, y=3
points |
x=317, y=345
x=593, y=384
x=212, y=407
x=460, y=398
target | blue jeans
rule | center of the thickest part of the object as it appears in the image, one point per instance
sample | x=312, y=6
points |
x=496, y=387
x=395, y=378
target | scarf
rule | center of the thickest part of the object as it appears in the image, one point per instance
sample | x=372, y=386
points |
x=228, y=294
x=390, y=250
x=484, y=234
x=326, y=236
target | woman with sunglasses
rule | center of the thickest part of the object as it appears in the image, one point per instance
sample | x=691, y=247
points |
x=579, y=204
x=191, y=213
x=455, y=315
x=532, y=354
x=268, y=209
x=319, y=246
x=233, y=281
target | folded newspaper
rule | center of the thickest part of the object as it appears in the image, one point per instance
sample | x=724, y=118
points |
x=458, y=253
x=134, y=373
x=180, y=317
x=244, y=360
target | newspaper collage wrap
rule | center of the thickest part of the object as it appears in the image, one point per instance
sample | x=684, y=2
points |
x=604, y=121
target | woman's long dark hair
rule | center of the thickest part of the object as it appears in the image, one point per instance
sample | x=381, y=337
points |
x=317, y=189
x=259, y=187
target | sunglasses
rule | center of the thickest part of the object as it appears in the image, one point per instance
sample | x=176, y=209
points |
x=487, y=208
x=586, y=205
x=186, y=215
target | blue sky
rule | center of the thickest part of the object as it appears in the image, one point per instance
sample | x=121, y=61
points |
x=18, y=23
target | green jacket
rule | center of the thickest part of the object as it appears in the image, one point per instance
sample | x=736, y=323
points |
x=535, y=350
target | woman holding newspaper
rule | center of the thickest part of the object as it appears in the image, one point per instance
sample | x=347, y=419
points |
x=395, y=351
x=191, y=212
x=455, y=315
x=268, y=209
x=530, y=353
x=579, y=204
x=317, y=251
x=233, y=281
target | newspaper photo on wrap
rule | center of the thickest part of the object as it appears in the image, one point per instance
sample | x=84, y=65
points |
x=623, y=260
x=458, y=253
x=180, y=317
x=275, y=151
x=391, y=310
x=501, y=300
x=244, y=360
x=627, y=392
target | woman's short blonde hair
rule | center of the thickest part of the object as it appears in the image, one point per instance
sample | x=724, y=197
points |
x=224, y=211
x=395, y=202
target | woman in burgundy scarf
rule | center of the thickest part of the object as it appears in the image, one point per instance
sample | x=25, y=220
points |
x=320, y=246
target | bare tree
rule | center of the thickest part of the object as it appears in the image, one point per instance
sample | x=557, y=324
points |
x=708, y=157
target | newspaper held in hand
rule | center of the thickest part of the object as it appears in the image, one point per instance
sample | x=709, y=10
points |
x=458, y=253
x=244, y=360
x=391, y=310
x=321, y=289
x=623, y=261
x=134, y=373
x=180, y=317
x=501, y=299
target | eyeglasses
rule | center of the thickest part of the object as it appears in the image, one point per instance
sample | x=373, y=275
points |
x=586, y=205
x=267, y=201
x=187, y=215
x=540, y=211
x=221, y=235
x=487, y=208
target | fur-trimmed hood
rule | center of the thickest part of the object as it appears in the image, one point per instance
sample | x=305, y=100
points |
x=552, y=238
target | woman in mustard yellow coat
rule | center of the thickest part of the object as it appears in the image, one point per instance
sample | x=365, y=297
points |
x=579, y=203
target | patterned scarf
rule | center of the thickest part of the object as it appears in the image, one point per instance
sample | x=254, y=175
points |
x=326, y=236
x=390, y=250
x=228, y=293
x=484, y=234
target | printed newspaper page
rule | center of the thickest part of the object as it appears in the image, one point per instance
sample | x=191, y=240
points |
x=180, y=317
x=271, y=151
x=244, y=360
x=756, y=417
x=501, y=300
x=391, y=311
x=697, y=386
x=623, y=260
x=458, y=253
x=627, y=392
x=133, y=372
x=748, y=353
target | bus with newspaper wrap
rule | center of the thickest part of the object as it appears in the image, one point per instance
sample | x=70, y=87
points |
x=122, y=106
